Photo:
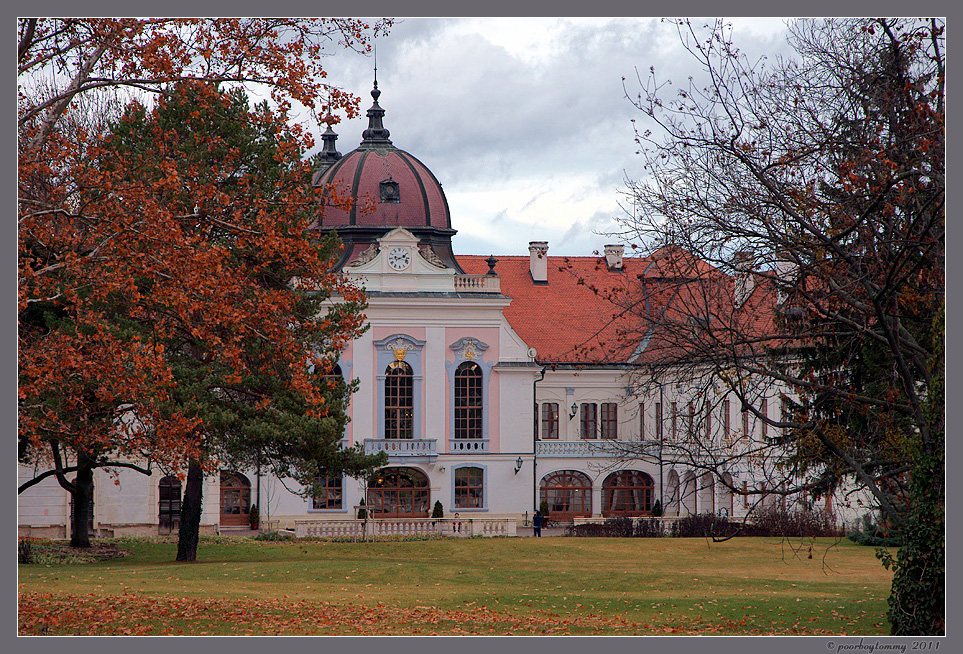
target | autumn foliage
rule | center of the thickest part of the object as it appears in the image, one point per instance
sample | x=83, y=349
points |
x=134, y=250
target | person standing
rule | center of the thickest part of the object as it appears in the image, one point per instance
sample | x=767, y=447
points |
x=537, y=524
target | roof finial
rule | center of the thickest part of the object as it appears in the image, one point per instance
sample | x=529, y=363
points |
x=376, y=132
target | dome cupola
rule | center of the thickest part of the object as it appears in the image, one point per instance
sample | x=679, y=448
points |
x=388, y=187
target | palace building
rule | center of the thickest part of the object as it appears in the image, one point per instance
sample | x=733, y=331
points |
x=493, y=384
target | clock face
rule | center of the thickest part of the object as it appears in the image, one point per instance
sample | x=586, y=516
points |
x=399, y=258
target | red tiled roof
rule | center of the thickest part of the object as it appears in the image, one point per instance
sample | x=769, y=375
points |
x=572, y=319
x=589, y=314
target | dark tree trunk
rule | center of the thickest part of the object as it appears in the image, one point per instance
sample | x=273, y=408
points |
x=81, y=494
x=191, y=513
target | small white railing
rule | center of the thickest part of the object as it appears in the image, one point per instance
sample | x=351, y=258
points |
x=400, y=527
x=478, y=283
x=402, y=446
x=467, y=444
x=596, y=448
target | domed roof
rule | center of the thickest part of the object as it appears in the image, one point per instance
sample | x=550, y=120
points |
x=389, y=187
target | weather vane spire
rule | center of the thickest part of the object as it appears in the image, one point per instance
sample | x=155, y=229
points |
x=376, y=65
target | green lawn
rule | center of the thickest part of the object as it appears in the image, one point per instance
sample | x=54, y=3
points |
x=523, y=585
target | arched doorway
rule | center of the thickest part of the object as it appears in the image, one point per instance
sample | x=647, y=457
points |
x=707, y=493
x=169, y=504
x=688, y=494
x=399, y=493
x=627, y=493
x=568, y=494
x=672, y=495
x=235, y=500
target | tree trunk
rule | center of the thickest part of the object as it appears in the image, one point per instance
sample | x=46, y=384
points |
x=191, y=513
x=81, y=494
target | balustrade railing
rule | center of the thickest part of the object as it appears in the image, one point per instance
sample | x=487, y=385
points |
x=468, y=445
x=478, y=283
x=405, y=447
x=400, y=527
x=600, y=447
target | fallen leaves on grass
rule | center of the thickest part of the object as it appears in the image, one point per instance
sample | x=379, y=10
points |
x=131, y=614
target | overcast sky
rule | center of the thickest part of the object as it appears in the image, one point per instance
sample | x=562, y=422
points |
x=524, y=121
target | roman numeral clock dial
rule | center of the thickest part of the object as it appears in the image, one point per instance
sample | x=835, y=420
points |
x=399, y=258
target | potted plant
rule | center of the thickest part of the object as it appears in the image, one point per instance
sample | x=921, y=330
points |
x=362, y=511
x=543, y=509
x=254, y=517
x=657, y=509
x=437, y=512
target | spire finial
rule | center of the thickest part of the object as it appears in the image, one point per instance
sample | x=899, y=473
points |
x=376, y=132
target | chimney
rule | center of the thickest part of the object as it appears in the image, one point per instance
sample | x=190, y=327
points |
x=613, y=256
x=538, y=261
x=785, y=270
x=744, y=281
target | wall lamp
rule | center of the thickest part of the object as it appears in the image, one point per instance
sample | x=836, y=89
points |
x=518, y=464
x=573, y=411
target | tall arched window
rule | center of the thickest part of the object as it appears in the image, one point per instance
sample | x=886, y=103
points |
x=568, y=494
x=468, y=400
x=399, y=400
x=627, y=493
x=399, y=493
x=169, y=509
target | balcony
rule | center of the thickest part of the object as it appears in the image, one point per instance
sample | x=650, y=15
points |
x=597, y=448
x=467, y=445
x=477, y=284
x=408, y=449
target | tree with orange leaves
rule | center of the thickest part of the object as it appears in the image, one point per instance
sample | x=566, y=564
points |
x=101, y=258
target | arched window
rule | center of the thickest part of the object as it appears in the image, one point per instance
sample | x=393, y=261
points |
x=399, y=400
x=672, y=495
x=688, y=494
x=469, y=488
x=627, y=493
x=707, y=493
x=568, y=494
x=235, y=499
x=468, y=400
x=398, y=493
x=169, y=504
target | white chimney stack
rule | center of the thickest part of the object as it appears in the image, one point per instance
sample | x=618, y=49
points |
x=613, y=256
x=744, y=281
x=538, y=262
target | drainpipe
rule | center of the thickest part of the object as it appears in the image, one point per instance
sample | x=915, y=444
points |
x=661, y=438
x=541, y=376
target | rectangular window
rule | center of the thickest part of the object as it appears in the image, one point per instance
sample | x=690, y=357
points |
x=674, y=430
x=641, y=421
x=708, y=422
x=469, y=488
x=610, y=420
x=726, y=431
x=329, y=493
x=550, y=420
x=690, y=425
x=658, y=420
x=745, y=423
x=590, y=421
x=764, y=410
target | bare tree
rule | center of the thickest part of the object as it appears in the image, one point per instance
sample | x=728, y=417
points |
x=794, y=216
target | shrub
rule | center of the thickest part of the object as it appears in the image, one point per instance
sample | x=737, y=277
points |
x=274, y=536
x=254, y=517
x=619, y=528
x=543, y=509
x=362, y=511
x=649, y=528
x=657, y=509
x=437, y=512
x=778, y=521
x=702, y=525
x=24, y=551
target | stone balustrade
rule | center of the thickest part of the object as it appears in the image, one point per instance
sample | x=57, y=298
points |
x=402, y=447
x=468, y=445
x=596, y=448
x=478, y=283
x=400, y=527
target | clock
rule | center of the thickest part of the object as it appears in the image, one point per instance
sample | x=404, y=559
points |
x=399, y=258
